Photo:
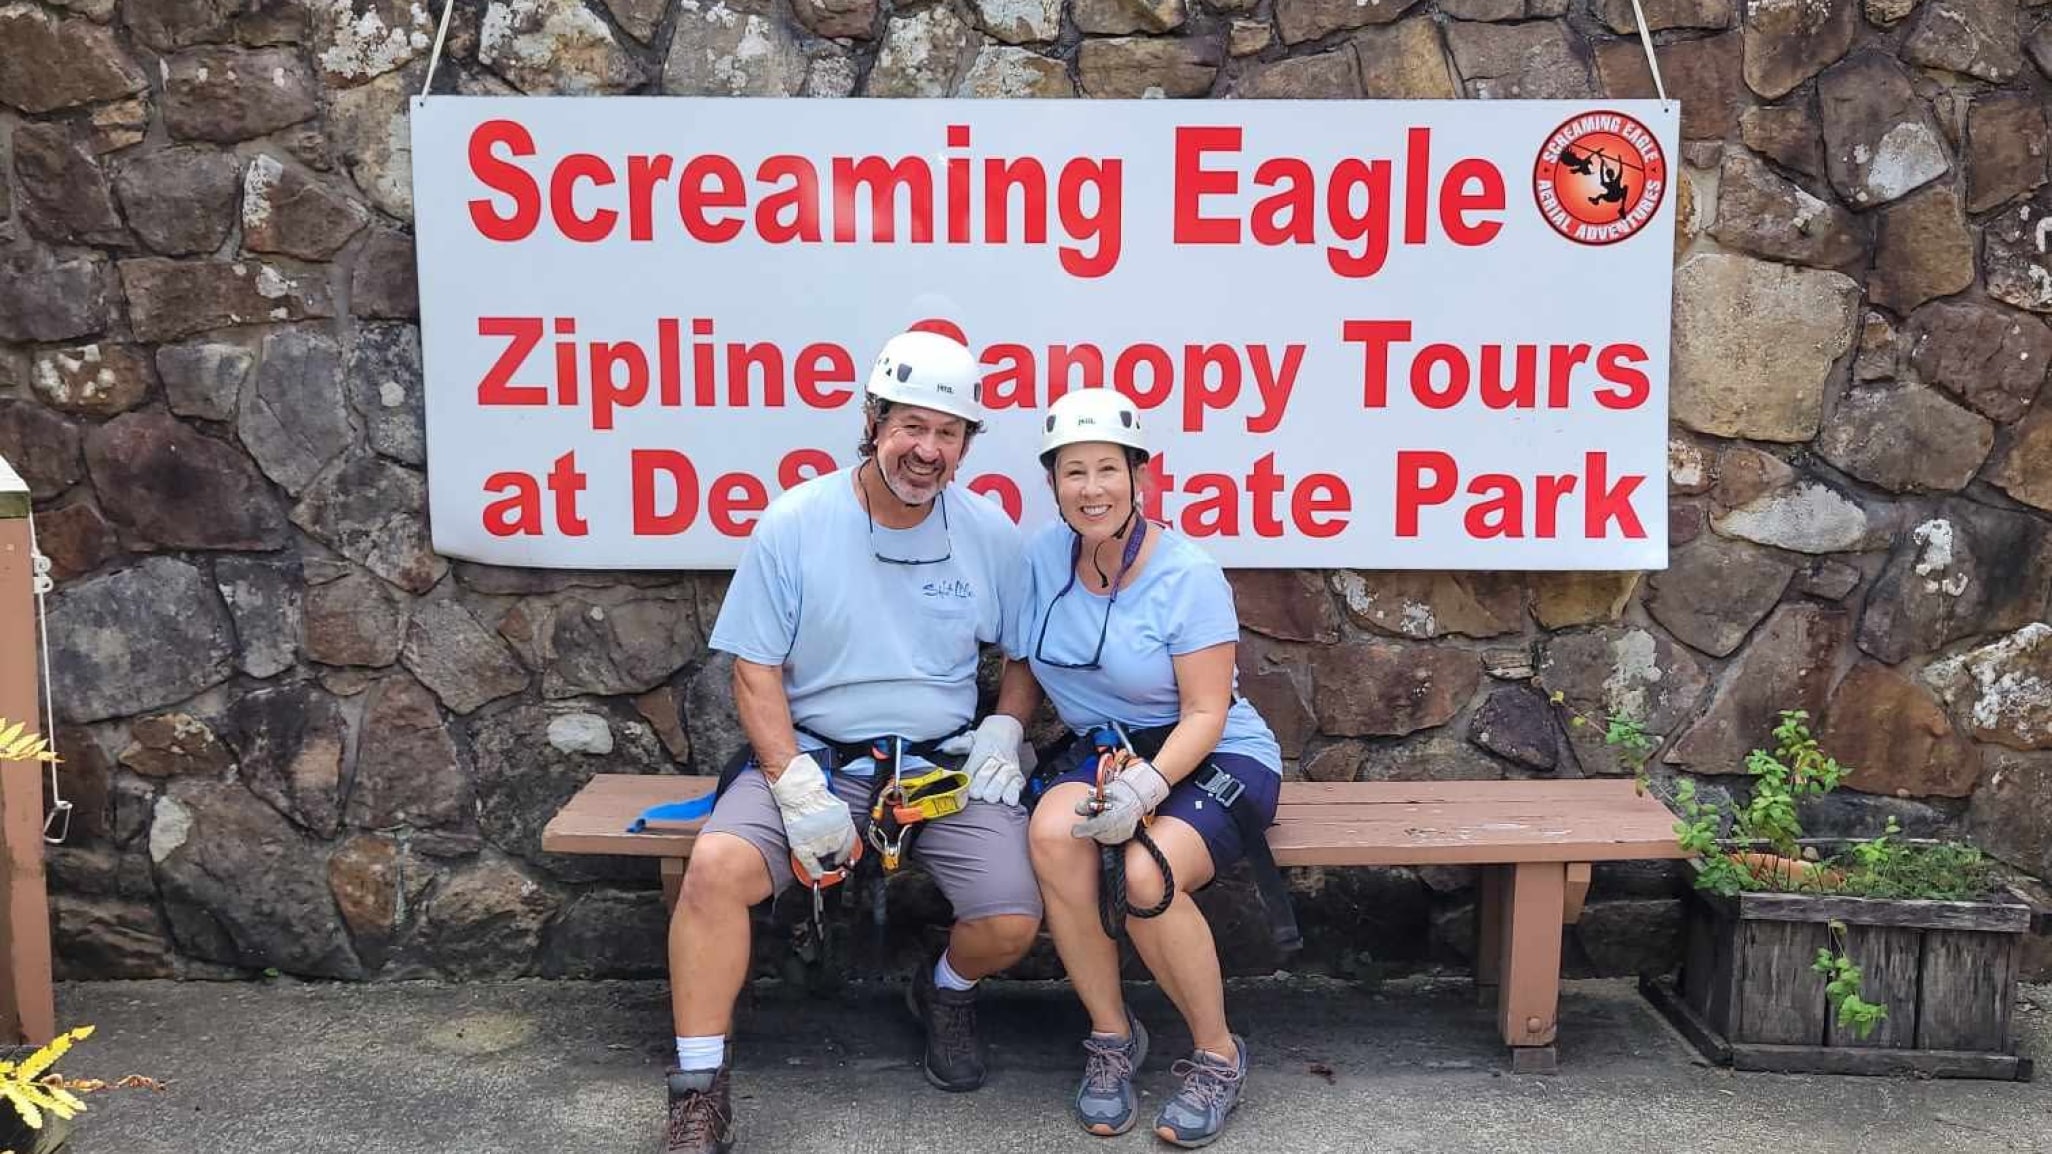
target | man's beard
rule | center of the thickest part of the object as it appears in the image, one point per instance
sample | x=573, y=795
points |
x=910, y=488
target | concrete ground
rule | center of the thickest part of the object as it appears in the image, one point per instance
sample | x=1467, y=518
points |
x=575, y=1067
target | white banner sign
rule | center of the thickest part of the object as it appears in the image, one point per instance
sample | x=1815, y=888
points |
x=1389, y=334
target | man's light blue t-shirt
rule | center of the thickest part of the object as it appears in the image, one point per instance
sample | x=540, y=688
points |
x=868, y=647
x=1179, y=604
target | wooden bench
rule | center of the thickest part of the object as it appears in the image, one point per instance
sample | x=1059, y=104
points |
x=1535, y=842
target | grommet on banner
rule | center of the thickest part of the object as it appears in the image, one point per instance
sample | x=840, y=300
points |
x=442, y=33
x=1645, y=41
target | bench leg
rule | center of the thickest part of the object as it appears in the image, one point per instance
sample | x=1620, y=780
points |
x=1579, y=875
x=1535, y=901
x=1489, y=936
x=673, y=882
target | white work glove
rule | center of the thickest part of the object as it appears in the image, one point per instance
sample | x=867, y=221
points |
x=992, y=761
x=816, y=823
x=1127, y=798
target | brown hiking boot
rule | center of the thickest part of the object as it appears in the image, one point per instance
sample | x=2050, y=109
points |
x=954, y=1054
x=701, y=1119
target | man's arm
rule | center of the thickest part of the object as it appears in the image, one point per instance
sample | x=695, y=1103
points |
x=765, y=714
x=1019, y=694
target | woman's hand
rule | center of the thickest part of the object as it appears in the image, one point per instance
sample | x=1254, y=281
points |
x=1130, y=796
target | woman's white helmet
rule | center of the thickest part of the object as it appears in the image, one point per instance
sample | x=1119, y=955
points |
x=931, y=371
x=1092, y=414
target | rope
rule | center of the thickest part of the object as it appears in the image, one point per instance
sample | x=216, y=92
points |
x=41, y=583
x=1112, y=910
x=1645, y=41
x=442, y=33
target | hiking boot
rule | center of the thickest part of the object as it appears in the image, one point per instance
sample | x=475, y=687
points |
x=1105, y=1102
x=954, y=1054
x=1211, y=1089
x=701, y=1118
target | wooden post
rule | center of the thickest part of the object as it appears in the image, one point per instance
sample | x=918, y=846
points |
x=673, y=882
x=28, y=1012
x=1536, y=900
x=1489, y=923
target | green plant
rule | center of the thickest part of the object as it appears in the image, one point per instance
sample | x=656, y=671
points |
x=1627, y=735
x=1842, y=986
x=1796, y=769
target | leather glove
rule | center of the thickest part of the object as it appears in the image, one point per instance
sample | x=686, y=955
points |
x=1127, y=798
x=992, y=761
x=817, y=824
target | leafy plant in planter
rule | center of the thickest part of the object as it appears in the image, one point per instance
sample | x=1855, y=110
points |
x=1916, y=942
x=1764, y=850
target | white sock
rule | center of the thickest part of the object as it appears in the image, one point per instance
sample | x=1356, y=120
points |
x=701, y=1053
x=946, y=978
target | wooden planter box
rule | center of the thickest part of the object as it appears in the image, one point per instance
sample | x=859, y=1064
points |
x=1747, y=997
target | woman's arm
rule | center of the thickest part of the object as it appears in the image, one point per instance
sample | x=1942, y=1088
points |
x=1204, y=683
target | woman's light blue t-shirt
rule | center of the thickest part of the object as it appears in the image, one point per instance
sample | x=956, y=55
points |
x=1179, y=604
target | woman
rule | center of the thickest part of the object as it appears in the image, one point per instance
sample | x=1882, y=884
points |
x=1127, y=624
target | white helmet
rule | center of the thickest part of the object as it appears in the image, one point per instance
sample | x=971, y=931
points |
x=931, y=371
x=1092, y=414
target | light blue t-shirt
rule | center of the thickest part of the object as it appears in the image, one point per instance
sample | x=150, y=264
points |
x=868, y=647
x=1179, y=604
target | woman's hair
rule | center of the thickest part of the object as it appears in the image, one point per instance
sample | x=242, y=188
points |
x=876, y=409
x=1136, y=460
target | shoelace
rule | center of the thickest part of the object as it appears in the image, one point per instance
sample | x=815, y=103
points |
x=1205, y=1084
x=1109, y=1063
x=697, y=1122
x=956, y=1022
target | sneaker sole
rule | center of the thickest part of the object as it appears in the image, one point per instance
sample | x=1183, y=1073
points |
x=1168, y=1135
x=935, y=1080
x=1103, y=1130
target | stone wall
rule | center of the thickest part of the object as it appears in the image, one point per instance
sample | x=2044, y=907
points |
x=297, y=739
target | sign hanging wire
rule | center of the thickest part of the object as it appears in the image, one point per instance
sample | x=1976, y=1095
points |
x=41, y=583
x=1645, y=41
x=442, y=33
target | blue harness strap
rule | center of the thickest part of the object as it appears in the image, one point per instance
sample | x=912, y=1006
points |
x=697, y=807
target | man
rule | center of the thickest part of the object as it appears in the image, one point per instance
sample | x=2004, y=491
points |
x=856, y=614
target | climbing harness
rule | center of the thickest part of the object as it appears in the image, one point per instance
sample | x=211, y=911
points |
x=1215, y=783
x=900, y=804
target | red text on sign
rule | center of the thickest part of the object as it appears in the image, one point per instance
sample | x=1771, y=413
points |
x=786, y=199
x=1359, y=206
x=1522, y=376
x=1502, y=505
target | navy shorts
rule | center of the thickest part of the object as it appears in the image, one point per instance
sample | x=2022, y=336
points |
x=1212, y=821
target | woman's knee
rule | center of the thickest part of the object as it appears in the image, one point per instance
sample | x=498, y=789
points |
x=1048, y=838
x=1144, y=882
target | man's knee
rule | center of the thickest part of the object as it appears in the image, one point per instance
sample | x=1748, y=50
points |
x=723, y=871
x=1010, y=934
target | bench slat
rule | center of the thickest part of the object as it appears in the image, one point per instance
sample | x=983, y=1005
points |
x=1318, y=823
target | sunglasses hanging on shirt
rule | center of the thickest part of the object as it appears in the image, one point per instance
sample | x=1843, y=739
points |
x=1132, y=553
x=946, y=531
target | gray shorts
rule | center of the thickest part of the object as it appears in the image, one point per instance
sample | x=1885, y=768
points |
x=978, y=856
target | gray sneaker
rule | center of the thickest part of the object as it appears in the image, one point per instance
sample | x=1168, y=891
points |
x=1105, y=1103
x=1211, y=1089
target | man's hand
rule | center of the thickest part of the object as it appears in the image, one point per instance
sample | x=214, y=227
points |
x=816, y=823
x=1127, y=798
x=992, y=761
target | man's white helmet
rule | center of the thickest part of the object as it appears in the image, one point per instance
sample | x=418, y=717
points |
x=1093, y=414
x=931, y=371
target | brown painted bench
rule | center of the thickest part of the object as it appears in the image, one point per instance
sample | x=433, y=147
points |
x=1536, y=842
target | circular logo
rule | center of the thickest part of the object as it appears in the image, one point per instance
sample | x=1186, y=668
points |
x=1600, y=177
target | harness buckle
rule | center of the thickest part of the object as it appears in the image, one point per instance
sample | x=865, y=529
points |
x=1223, y=786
